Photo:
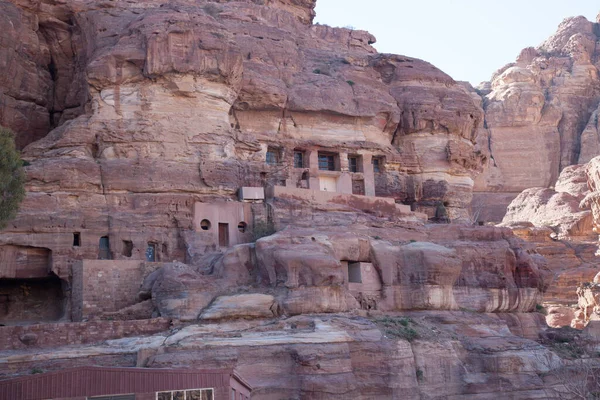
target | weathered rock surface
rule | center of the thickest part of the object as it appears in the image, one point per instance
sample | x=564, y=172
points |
x=562, y=224
x=178, y=103
x=558, y=208
x=143, y=110
x=454, y=354
x=541, y=114
x=482, y=269
x=242, y=306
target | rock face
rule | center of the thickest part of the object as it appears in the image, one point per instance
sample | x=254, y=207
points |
x=541, y=114
x=136, y=115
x=44, y=86
x=562, y=224
x=179, y=103
x=558, y=208
x=305, y=271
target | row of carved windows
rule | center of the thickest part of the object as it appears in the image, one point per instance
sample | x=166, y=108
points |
x=327, y=161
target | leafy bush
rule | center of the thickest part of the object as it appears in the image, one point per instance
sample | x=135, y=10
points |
x=351, y=83
x=398, y=327
x=540, y=308
x=12, y=177
x=420, y=374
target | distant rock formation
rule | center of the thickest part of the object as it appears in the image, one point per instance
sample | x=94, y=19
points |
x=542, y=114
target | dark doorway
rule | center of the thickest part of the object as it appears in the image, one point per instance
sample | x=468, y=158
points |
x=76, y=239
x=127, y=248
x=224, y=235
x=151, y=252
x=104, y=249
x=25, y=301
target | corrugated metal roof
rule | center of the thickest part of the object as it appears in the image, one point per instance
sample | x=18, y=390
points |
x=96, y=381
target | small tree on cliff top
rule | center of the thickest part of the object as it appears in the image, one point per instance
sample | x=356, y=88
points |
x=12, y=177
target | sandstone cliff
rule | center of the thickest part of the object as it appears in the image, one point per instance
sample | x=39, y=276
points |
x=541, y=114
x=136, y=116
x=180, y=102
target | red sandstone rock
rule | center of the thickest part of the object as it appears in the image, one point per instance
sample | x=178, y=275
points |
x=536, y=110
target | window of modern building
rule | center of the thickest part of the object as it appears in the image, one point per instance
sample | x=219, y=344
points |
x=194, y=394
x=272, y=156
x=327, y=161
x=299, y=159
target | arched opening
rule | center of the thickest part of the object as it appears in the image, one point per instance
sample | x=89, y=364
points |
x=242, y=226
x=205, y=225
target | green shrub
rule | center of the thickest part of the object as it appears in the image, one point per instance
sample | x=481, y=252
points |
x=351, y=83
x=398, y=327
x=12, y=177
x=316, y=71
x=541, y=309
x=420, y=375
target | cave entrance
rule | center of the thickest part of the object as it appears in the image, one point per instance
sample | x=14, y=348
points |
x=28, y=301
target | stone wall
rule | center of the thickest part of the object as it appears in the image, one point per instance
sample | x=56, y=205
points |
x=24, y=262
x=367, y=203
x=101, y=286
x=232, y=219
x=62, y=334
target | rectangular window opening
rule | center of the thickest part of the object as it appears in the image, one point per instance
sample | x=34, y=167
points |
x=377, y=164
x=327, y=162
x=273, y=156
x=104, y=248
x=127, y=248
x=354, y=164
x=76, y=239
x=191, y=394
x=299, y=159
x=354, y=273
x=151, y=252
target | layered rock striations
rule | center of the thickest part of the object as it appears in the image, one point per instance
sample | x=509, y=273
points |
x=562, y=225
x=182, y=101
x=138, y=117
x=541, y=114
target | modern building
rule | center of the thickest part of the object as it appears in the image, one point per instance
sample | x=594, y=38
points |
x=101, y=383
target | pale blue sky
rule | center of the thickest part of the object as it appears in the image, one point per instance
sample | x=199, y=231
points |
x=468, y=39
